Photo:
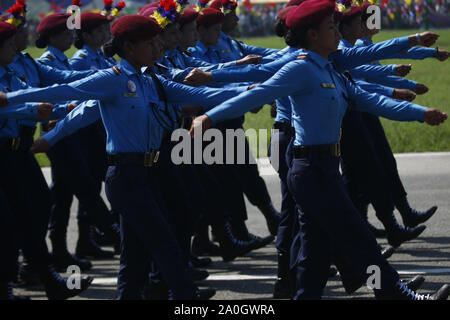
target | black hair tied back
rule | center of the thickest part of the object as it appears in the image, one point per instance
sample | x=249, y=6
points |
x=280, y=28
x=113, y=47
x=296, y=37
x=42, y=42
x=79, y=42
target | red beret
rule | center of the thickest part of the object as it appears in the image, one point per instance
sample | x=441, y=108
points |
x=309, y=13
x=355, y=11
x=148, y=12
x=209, y=17
x=294, y=3
x=91, y=20
x=218, y=4
x=7, y=30
x=135, y=27
x=52, y=24
x=188, y=16
x=150, y=5
x=284, y=12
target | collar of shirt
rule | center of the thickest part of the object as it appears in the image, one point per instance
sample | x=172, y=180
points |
x=224, y=36
x=58, y=54
x=90, y=52
x=316, y=58
x=345, y=44
x=127, y=68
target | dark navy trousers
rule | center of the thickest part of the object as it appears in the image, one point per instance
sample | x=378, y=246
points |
x=8, y=242
x=384, y=152
x=145, y=234
x=71, y=176
x=28, y=197
x=279, y=143
x=330, y=225
x=362, y=169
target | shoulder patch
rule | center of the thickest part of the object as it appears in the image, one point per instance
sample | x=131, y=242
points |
x=301, y=57
x=50, y=57
x=116, y=70
x=83, y=55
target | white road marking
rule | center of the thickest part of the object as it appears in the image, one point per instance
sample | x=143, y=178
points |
x=237, y=277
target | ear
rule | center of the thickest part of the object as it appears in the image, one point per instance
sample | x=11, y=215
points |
x=312, y=34
x=129, y=47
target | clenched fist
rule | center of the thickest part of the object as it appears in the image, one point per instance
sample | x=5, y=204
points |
x=402, y=70
x=434, y=117
x=40, y=146
x=45, y=110
x=197, y=77
x=421, y=89
x=250, y=59
x=403, y=94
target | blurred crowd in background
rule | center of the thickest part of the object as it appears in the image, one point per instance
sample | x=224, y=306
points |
x=257, y=19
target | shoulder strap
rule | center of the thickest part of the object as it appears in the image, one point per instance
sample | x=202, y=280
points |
x=162, y=95
x=241, y=48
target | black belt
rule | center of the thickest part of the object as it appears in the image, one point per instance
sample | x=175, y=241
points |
x=284, y=126
x=320, y=151
x=28, y=131
x=147, y=159
x=10, y=144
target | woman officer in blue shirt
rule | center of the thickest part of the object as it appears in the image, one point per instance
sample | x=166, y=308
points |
x=328, y=222
x=71, y=174
x=94, y=33
x=24, y=185
x=129, y=105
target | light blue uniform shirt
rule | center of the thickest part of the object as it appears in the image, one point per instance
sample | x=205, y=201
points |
x=10, y=115
x=363, y=72
x=179, y=65
x=417, y=53
x=344, y=59
x=129, y=101
x=230, y=49
x=39, y=75
x=88, y=59
x=319, y=99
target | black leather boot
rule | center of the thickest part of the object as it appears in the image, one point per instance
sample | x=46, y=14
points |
x=282, y=289
x=202, y=246
x=86, y=245
x=199, y=262
x=397, y=234
x=411, y=217
x=61, y=256
x=272, y=217
x=415, y=283
x=59, y=288
x=400, y=291
x=230, y=247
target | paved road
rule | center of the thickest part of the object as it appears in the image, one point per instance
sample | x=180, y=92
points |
x=427, y=180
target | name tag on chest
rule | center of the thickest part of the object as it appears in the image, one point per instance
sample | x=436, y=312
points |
x=328, y=85
x=131, y=95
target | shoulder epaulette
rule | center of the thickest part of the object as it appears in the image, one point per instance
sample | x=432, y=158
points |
x=50, y=57
x=83, y=55
x=116, y=70
x=188, y=52
x=301, y=57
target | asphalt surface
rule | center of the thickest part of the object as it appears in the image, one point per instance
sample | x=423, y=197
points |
x=427, y=180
